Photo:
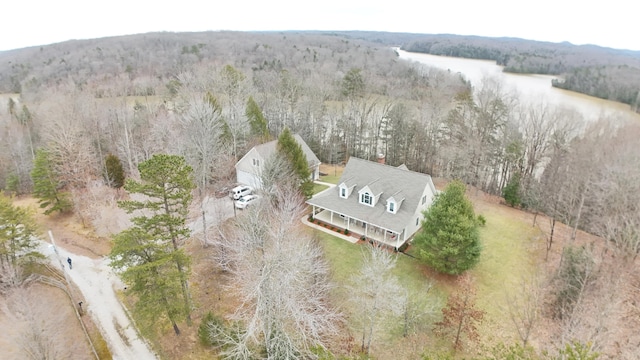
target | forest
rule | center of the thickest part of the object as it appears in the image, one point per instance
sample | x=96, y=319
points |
x=197, y=102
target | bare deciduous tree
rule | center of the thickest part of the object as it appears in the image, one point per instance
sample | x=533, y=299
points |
x=282, y=281
x=375, y=293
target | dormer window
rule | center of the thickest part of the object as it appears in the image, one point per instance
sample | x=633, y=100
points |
x=343, y=193
x=391, y=207
x=366, y=198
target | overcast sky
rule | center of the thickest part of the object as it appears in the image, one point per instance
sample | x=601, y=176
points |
x=611, y=23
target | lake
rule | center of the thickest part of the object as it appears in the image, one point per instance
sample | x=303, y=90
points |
x=530, y=88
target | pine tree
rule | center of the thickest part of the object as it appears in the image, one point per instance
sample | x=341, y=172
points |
x=166, y=185
x=115, y=171
x=511, y=192
x=449, y=240
x=149, y=268
x=17, y=236
x=46, y=185
x=292, y=151
x=257, y=120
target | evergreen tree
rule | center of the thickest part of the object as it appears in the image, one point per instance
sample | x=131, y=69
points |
x=257, y=120
x=511, y=192
x=46, y=185
x=289, y=147
x=115, y=171
x=166, y=185
x=149, y=268
x=449, y=240
x=17, y=236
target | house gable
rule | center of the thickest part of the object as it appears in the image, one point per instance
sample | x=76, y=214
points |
x=249, y=167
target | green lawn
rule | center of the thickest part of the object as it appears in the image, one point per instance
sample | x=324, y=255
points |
x=318, y=188
x=506, y=256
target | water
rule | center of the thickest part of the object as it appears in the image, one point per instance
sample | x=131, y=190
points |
x=529, y=88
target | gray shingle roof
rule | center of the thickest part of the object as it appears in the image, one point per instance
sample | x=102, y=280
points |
x=267, y=149
x=389, y=180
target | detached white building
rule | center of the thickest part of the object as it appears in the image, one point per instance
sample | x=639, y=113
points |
x=249, y=168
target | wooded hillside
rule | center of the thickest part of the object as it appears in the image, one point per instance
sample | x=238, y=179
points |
x=602, y=72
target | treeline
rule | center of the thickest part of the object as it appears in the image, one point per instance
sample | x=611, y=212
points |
x=597, y=71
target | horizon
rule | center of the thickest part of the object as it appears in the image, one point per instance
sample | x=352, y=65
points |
x=33, y=23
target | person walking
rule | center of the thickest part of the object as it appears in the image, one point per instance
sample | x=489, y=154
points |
x=69, y=261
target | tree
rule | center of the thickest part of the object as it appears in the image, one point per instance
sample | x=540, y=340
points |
x=166, y=185
x=511, y=192
x=257, y=121
x=376, y=292
x=449, y=240
x=115, y=171
x=289, y=147
x=282, y=282
x=18, y=230
x=460, y=317
x=148, y=266
x=46, y=185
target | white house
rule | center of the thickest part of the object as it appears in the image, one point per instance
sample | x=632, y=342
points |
x=249, y=168
x=380, y=202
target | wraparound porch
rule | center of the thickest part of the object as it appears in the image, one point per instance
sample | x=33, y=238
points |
x=360, y=227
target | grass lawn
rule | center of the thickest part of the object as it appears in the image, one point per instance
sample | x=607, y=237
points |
x=318, y=188
x=334, y=172
x=507, y=256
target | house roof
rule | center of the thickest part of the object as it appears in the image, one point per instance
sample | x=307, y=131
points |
x=267, y=149
x=391, y=181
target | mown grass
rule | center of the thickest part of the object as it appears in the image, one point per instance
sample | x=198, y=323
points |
x=319, y=188
x=506, y=257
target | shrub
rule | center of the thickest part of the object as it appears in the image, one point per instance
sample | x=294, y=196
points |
x=346, y=231
x=203, y=329
x=482, y=221
x=311, y=218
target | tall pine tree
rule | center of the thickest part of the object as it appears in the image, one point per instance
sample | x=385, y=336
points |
x=166, y=185
x=46, y=186
x=292, y=151
x=257, y=121
x=449, y=240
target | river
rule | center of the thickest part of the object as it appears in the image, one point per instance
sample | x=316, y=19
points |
x=530, y=88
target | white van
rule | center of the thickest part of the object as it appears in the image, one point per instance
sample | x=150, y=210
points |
x=240, y=191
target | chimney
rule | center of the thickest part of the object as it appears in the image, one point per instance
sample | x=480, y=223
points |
x=381, y=159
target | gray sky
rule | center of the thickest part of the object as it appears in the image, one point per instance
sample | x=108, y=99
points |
x=37, y=22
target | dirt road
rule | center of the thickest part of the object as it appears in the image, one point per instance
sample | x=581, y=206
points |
x=96, y=281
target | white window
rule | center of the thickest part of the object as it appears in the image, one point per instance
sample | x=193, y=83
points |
x=392, y=207
x=343, y=192
x=417, y=221
x=424, y=199
x=256, y=162
x=366, y=198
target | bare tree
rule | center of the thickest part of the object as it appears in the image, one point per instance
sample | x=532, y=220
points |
x=375, y=292
x=282, y=281
x=523, y=304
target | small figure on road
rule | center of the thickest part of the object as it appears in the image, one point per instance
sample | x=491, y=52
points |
x=69, y=261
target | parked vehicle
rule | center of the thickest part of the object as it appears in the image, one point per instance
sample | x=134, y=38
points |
x=246, y=200
x=240, y=191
